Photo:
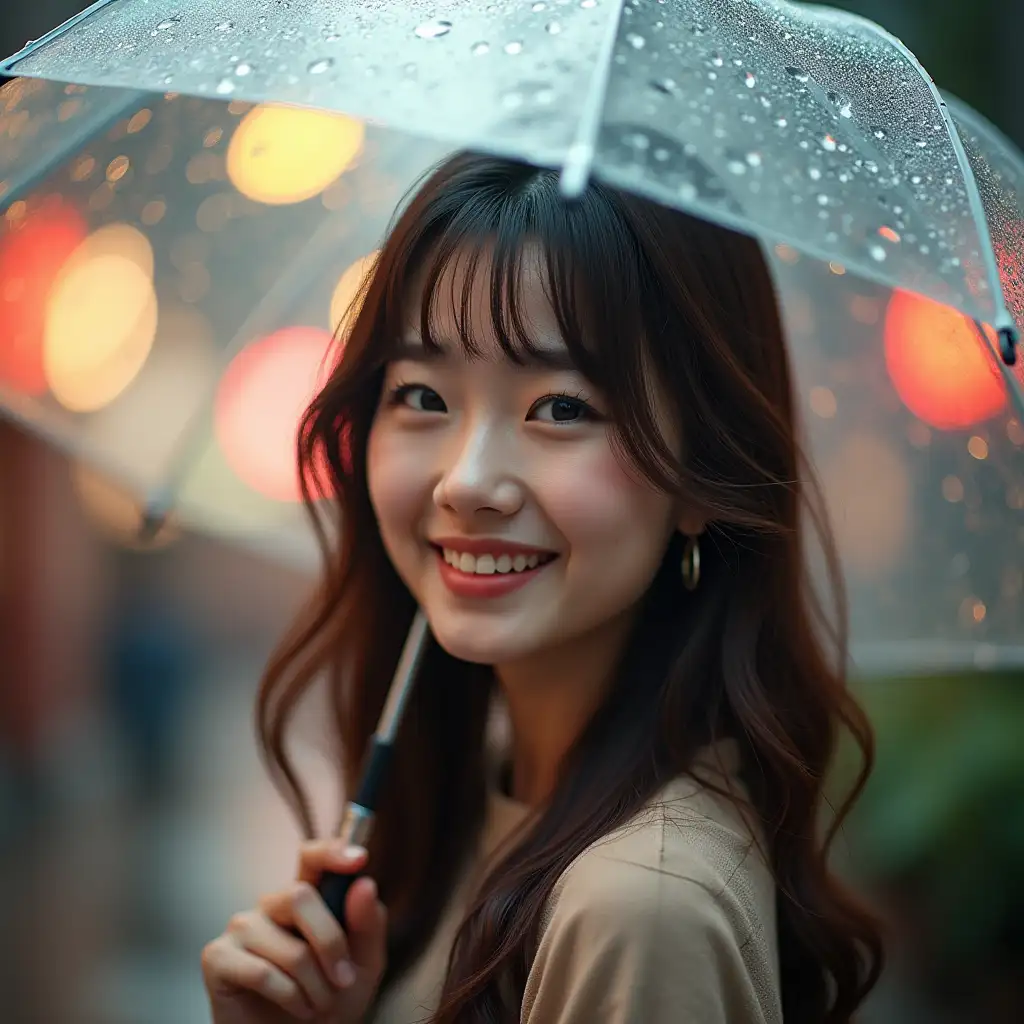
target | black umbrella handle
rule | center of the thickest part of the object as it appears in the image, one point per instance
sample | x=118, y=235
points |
x=333, y=889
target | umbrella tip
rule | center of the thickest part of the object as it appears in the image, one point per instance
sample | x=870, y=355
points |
x=153, y=518
x=1009, y=337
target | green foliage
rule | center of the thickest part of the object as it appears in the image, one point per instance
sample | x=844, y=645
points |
x=942, y=818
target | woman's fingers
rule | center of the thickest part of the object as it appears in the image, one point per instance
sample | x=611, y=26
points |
x=228, y=968
x=259, y=935
x=322, y=855
x=302, y=908
x=367, y=927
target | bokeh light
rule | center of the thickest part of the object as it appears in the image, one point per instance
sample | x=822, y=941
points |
x=142, y=429
x=101, y=318
x=344, y=308
x=260, y=402
x=941, y=369
x=280, y=155
x=32, y=253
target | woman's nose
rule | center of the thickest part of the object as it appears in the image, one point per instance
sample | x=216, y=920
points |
x=479, y=476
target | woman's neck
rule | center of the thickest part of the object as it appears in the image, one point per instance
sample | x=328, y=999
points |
x=550, y=697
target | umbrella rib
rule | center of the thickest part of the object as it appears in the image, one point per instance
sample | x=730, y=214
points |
x=35, y=44
x=579, y=160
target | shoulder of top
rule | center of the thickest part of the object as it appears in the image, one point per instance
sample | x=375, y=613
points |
x=687, y=839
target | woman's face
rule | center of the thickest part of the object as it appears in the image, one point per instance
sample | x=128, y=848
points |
x=498, y=495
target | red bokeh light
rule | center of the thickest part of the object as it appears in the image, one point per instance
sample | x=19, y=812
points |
x=32, y=252
x=259, y=405
x=942, y=370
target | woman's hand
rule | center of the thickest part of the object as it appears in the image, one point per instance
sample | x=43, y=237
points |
x=259, y=972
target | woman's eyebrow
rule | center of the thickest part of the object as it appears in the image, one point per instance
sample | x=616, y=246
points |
x=538, y=357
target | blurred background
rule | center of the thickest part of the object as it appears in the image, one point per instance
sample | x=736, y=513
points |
x=134, y=814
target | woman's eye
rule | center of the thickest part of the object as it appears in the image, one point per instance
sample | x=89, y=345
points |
x=561, y=409
x=418, y=397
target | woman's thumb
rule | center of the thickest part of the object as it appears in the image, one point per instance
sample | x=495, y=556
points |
x=367, y=926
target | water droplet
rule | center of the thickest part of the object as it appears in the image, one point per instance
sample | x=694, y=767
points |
x=842, y=103
x=553, y=28
x=224, y=26
x=588, y=4
x=716, y=59
x=332, y=36
x=877, y=253
x=800, y=76
x=433, y=29
x=781, y=122
x=667, y=86
x=829, y=144
x=921, y=143
x=736, y=167
x=318, y=67
x=754, y=159
x=539, y=6
x=167, y=23
x=513, y=48
x=512, y=100
x=243, y=69
x=225, y=87
x=750, y=80
x=814, y=173
x=879, y=132
x=822, y=199
x=636, y=41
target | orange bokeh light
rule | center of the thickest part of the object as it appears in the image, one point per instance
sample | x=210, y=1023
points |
x=940, y=367
x=260, y=402
x=32, y=253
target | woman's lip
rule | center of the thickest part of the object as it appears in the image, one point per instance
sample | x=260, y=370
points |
x=487, y=546
x=477, y=585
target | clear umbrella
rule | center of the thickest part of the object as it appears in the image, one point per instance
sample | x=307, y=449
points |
x=798, y=123
x=248, y=226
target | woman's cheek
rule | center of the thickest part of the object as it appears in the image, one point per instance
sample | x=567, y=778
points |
x=589, y=495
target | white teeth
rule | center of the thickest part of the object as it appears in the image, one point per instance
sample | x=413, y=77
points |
x=489, y=565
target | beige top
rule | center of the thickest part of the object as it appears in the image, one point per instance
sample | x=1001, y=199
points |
x=668, y=920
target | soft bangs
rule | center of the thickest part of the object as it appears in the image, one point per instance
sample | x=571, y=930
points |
x=514, y=229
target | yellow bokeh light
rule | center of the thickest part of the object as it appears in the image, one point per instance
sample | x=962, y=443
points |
x=115, y=240
x=346, y=290
x=280, y=155
x=100, y=323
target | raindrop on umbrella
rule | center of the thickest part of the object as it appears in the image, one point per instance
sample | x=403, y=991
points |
x=433, y=29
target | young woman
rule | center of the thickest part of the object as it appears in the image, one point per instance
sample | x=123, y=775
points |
x=566, y=431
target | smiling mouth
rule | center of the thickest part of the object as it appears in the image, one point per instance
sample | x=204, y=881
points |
x=502, y=564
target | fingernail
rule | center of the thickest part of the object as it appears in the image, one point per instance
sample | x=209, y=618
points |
x=371, y=888
x=347, y=851
x=345, y=974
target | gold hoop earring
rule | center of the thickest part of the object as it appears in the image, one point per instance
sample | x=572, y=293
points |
x=690, y=567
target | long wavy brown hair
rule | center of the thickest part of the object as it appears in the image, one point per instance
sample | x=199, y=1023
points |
x=642, y=294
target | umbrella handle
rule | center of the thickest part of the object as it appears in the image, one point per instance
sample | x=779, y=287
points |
x=333, y=889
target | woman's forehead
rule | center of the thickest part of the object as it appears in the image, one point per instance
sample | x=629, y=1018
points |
x=469, y=301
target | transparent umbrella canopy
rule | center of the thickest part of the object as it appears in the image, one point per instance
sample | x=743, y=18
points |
x=797, y=123
x=176, y=265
